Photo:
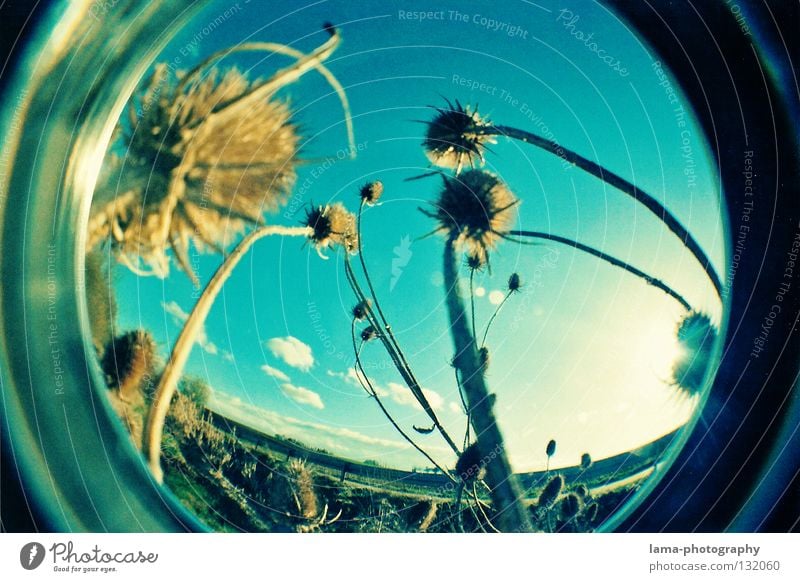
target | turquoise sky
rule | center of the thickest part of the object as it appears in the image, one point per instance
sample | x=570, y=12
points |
x=581, y=355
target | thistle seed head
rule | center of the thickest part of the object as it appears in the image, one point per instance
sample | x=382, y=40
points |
x=696, y=337
x=475, y=208
x=368, y=334
x=551, y=491
x=371, y=192
x=332, y=225
x=361, y=310
x=455, y=137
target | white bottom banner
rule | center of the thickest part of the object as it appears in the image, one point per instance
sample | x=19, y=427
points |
x=354, y=557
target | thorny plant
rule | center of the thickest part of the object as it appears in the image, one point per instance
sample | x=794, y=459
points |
x=180, y=190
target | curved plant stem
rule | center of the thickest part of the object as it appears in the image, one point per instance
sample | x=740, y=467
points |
x=618, y=182
x=400, y=364
x=505, y=491
x=657, y=283
x=304, y=61
x=187, y=337
x=418, y=393
x=366, y=383
x=494, y=316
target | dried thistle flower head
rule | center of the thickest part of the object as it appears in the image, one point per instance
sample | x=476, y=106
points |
x=696, y=337
x=514, y=283
x=371, y=192
x=369, y=333
x=551, y=448
x=332, y=225
x=361, y=310
x=193, y=174
x=454, y=137
x=551, y=491
x=128, y=359
x=470, y=463
x=475, y=208
x=476, y=261
x=586, y=461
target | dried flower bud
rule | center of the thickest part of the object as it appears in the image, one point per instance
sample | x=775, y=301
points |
x=371, y=192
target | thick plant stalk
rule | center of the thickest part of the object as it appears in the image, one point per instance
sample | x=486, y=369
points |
x=505, y=491
x=618, y=182
x=186, y=339
x=657, y=283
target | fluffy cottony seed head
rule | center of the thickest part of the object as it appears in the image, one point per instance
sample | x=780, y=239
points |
x=455, y=137
x=475, y=208
x=370, y=193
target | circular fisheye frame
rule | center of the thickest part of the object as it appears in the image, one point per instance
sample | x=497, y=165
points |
x=517, y=267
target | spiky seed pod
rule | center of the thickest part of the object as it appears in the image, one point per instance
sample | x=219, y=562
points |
x=371, y=192
x=483, y=358
x=303, y=483
x=571, y=505
x=475, y=208
x=551, y=491
x=361, y=310
x=514, y=283
x=454, y=137
x=368, y=334
x=551, y=448
x=332, y=225
x=586, y=461
x=696, y=337
x=128, y=359
x=193, y=174
x=469, y=464
x=582, y=491
x=590, y=513
x=476, y=261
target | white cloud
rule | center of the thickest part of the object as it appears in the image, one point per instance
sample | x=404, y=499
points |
x=226, y=355
x=292, y=351
x=303, y=395
x=179, y=316
x=402, y=395
x=351, y=376
x=303, y=430
x=275, y=373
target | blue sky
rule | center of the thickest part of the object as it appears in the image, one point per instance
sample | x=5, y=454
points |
x=581, y=355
